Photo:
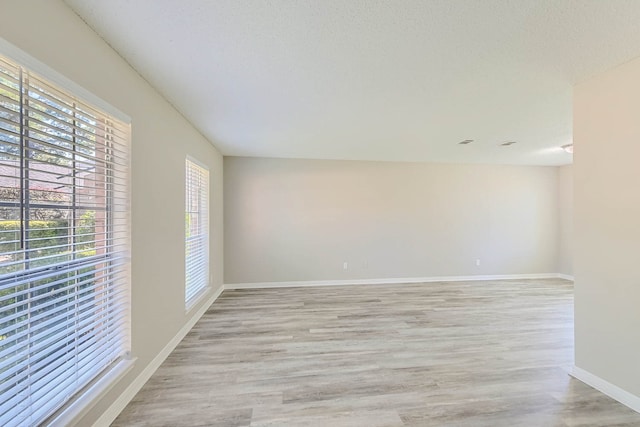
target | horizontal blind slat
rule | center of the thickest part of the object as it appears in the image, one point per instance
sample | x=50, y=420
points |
x=58, y=109
x=87, y=110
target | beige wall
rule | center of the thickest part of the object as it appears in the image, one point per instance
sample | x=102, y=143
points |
x=565, y=220
x=607, y=226
x=53, y=34
x=298, y=220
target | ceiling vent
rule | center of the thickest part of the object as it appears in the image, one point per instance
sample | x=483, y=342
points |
x=465, y=142
x=508, y=143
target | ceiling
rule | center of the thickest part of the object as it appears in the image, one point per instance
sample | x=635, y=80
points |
x=401, y=80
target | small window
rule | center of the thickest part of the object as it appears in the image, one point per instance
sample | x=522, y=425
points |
x=64, y=227
x=196, y=232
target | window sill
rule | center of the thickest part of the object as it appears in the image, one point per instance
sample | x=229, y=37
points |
x=197, y=298
x=73, y=411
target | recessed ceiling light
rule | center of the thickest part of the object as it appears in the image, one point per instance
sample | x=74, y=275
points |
x=508, y=143
x=568, y=148
x=465, y=142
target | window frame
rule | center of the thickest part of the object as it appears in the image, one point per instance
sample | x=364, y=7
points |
x=193, y=298
x=84, y=397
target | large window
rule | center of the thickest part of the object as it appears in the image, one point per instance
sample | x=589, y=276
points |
x=64, y=280
x=197, y=232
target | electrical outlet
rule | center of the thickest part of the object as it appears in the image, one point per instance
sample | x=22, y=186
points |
x=345, y=265
x=478, y=262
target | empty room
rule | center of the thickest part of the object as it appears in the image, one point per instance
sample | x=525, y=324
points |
x=311, y=213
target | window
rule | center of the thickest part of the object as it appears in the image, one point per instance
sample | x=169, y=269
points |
x=64, y=280
x=196, y=232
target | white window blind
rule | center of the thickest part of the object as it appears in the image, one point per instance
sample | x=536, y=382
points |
x=197, y=231
x=64, y=275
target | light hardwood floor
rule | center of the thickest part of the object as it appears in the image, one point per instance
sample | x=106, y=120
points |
x=492, y=353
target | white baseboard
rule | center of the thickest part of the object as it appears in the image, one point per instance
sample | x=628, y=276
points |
x=565, y=276
x=121, y=402
x=304, y=283
x=611, y=390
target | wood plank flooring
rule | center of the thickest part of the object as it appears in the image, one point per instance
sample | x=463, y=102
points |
x=492, y=353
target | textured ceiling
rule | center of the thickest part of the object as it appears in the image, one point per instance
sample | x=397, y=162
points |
x=373, y=80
